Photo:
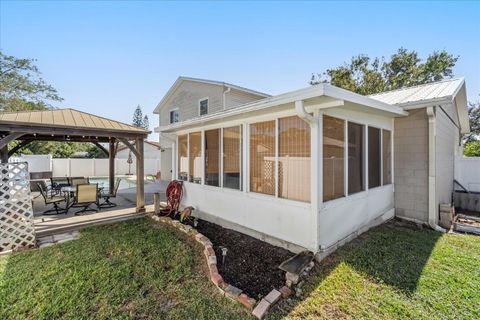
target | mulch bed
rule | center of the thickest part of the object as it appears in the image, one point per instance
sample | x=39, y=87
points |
x=250, y=264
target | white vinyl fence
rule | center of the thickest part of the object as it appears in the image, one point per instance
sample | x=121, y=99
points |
x=467, y=172
x=83, y=167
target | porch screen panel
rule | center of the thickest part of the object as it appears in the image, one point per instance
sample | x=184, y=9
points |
x=373, y=157
x=195, y=157
x=355, y=158
x=232, y=157
x=212, y=157
x=387, y=156
x=294, y=159
x=333, y=158
x=262, y=157
x=183, y=157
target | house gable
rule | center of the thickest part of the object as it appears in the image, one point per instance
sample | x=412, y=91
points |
x=186, y=94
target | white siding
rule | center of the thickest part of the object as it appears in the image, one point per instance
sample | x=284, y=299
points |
x=186, y=98
x=235, y=98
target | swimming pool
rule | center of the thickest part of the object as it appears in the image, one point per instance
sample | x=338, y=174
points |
x=125, y=182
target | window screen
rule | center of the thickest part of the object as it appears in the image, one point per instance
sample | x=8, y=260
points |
x=212, y=157
x=183, y=157
x=262, y=157
x=203, y=107
x=294, y=159
x=174, y=116
x=373, y=157
x=333, y=158
x=232, y=158
x=387, y=156
x=195, y=157
x=355, y=158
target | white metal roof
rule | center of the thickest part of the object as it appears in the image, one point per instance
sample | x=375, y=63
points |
x=431, y=92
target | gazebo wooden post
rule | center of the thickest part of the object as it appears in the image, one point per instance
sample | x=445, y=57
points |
x=111, y=164
x=4, y=154
x=140, y=176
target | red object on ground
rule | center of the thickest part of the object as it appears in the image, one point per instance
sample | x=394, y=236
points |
x=174, y=194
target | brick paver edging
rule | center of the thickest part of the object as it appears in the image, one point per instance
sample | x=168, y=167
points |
x=261, y=308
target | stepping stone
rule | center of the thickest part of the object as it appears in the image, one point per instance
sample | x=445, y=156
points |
x=273, y=296
x=297, y=263
x=261, y=309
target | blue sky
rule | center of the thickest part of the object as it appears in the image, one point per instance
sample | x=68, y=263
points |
x=108, y=57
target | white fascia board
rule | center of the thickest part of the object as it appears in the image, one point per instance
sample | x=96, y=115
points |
x=314, y=91
x=290, y=97
x=343, y=94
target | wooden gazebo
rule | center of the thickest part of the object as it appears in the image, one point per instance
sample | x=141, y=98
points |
x=75, y=126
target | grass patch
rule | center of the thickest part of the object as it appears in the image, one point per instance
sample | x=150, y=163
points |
x=132, y=269
x=394, y=272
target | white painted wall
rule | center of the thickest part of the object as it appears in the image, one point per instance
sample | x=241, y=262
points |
x=279, y=218
x=292, y=221
x=467, y=172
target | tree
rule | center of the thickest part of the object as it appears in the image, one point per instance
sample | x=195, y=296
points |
x=21, y=87
x=472, y=149
x=366, y=76
x=145, y=123
x=474, y=117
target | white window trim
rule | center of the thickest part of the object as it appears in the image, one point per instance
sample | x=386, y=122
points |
x=170, y=114
x=208, y=106
x=366, y=126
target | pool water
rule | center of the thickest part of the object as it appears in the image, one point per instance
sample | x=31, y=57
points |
x=125, y=183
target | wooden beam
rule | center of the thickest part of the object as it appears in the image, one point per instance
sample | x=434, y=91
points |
x=70, y=131
x=140, y=177
x=18, y=147
x=9, y=138
x=111, y=165
x=130, y=146
x=101, y=148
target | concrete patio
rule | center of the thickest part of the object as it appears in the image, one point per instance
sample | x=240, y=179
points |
x=53, y=224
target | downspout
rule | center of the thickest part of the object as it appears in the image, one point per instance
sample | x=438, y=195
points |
x=432, y=192
x=315, y=170
x=225, y=97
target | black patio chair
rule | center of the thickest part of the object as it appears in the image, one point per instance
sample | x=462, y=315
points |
x=52, y=198
x=58, y=183
x=86, y=195
x=107, y=195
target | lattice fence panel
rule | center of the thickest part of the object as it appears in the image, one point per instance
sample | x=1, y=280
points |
x=16, y=212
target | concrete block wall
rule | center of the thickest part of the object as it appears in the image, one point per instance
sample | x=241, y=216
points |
x=446, y=146
x=411, y=165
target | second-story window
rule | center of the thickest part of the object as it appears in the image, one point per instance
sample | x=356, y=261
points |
x=203, y=105
x=174, y=115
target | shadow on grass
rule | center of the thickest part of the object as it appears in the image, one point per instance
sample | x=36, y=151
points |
x=394, y=254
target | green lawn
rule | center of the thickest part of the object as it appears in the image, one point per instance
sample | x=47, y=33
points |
x=394, y=272
x=126, y=270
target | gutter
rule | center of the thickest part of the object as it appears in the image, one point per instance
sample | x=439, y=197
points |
x=315, y=199
x=225, y=97
x=432, y=192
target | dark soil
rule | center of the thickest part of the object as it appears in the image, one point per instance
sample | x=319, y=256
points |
x=250, y=264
